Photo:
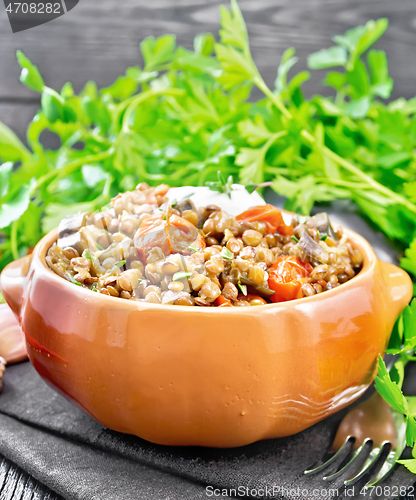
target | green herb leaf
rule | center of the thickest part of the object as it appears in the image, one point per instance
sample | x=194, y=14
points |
x=358, y=40
x=381, y=83
x=409, y=261
x=88, y=255
x=204, y=44
x=180, y=275
x=409, y=326
x=250, y=188
x=157, y=51
x=30, y=75
x=74, y=281
x=287, y=62
x=328, y=58
x=222, y=186
x=409, y=464
x=15, y=206
x=294, y=238
x=11, y=148
x=5, y=173
x=52, y=105
x=410, y=430
x=243, y=288
x=226, y=254
x=193, y=248
x=121, y=263
x=388, y=389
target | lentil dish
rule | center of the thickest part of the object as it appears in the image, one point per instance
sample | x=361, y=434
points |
x=145, y=248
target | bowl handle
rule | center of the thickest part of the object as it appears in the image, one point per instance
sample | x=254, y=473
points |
x=399, y=288
x=13, y=281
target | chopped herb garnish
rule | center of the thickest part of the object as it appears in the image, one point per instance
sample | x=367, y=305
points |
x=164, y=217
x=94, y=287
x=324, y=237
x=88, y=255
x=176, y=202
x=74, y=281
x=226, y=254
x=193, y=248
x=180, y=275
x=108, y=232
x=250, y=188
x=99, y=246
x=139, y=281
x=121, y=263
x=222, y=186
x=294, y=238
x=243, y=288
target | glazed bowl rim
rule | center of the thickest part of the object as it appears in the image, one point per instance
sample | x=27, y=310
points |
x=369, y=263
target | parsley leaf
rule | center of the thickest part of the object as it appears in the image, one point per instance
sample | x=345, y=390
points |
x=389, y=389
x=226, y=254
x=180, y=275
x=409, y=261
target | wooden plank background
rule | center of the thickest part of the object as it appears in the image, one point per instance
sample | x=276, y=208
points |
x=98, y=40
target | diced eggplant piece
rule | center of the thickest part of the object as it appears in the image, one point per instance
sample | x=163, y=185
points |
x=72, y=223
x=185, y=204
x=75, y=240
x=322, y=223
x=311, y=247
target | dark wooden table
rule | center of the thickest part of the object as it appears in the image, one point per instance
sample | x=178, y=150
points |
x=16, y=484
x=99, y=40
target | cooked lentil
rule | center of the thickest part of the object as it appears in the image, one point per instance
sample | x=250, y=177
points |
x=217, y=255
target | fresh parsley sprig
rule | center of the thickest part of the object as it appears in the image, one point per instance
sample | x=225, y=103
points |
x=222, y=185
x=389, y=385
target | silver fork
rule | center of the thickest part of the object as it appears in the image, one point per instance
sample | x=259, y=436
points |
x=369, y=464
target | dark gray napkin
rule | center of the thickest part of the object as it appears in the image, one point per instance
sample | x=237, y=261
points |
x=81, y=460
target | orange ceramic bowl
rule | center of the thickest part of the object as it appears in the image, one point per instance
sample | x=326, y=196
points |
x=220, y=377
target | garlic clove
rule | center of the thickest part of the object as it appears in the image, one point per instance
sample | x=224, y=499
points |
x=12, y=341
x=2, y=370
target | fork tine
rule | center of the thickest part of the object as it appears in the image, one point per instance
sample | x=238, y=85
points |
x=384, y=471
x=373, y=464
x=337, y=457
x=391, y=458
x=357, y=460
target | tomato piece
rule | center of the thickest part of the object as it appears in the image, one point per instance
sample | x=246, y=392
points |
x=286, y=277
x=171, y=236
x=221, y=301
x=268, y=214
